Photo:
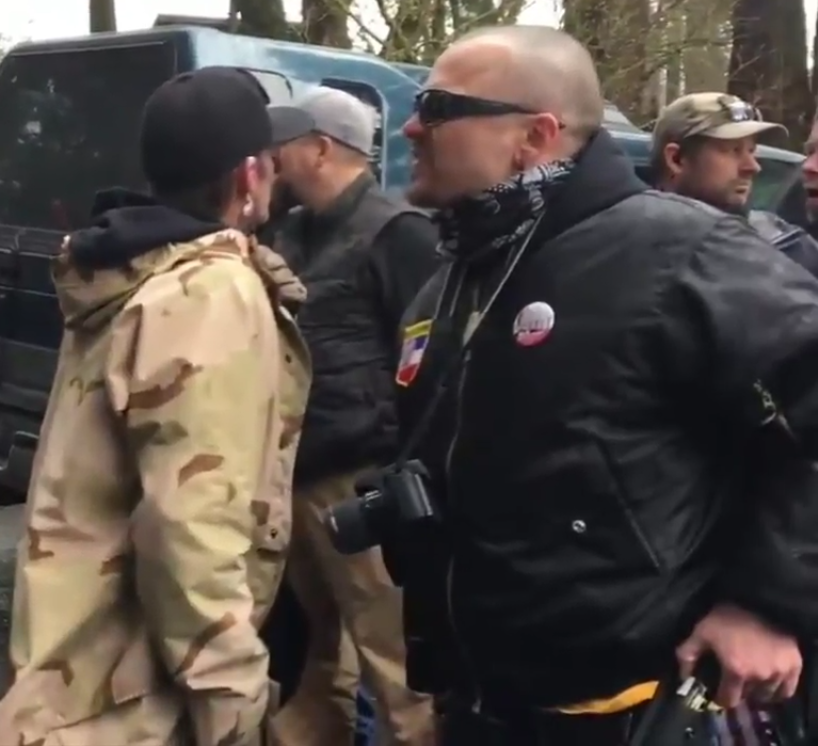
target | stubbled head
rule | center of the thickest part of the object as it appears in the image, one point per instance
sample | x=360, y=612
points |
x=809, y=170
x=500, y=101
x=704, y=147
x=323, y=143
x=206, y=146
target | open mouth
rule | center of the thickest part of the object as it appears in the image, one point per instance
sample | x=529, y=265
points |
x=812, y=192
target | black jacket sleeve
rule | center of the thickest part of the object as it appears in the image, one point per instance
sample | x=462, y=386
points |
x=739, y=332
x=790, y=239
x=802, y=248
x=404, y=257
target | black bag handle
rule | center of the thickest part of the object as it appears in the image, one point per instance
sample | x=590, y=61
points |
x=679, y=709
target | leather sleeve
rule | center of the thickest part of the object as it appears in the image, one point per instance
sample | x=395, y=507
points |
x=739, y=339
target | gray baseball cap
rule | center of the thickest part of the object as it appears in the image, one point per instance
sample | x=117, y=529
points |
x=326, y=111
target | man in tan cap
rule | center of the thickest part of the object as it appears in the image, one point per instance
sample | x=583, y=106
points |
x=704, y=147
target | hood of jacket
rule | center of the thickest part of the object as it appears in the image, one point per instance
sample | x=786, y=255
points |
x=132, y=238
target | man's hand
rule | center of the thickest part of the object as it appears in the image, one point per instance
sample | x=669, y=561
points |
x=757, y=662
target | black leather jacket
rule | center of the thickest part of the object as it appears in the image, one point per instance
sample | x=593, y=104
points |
x=602, y=488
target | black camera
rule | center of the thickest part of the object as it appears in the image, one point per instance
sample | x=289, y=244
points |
x=394, y=498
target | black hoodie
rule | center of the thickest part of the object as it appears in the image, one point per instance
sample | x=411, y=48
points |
x=128, y=224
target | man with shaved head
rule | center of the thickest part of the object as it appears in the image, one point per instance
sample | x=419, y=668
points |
x=596, y=382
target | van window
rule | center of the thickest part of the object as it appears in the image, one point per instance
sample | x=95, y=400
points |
x=69, y=127
x=771, y=182
x=371, y=98
x=615, y=120
x=277, y=86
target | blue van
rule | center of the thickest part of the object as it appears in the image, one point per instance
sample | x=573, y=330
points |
x=71, y=111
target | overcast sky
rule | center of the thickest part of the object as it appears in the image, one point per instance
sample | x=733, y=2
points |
x=43, y=19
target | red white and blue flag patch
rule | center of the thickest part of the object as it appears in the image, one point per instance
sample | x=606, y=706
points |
x=415, y=339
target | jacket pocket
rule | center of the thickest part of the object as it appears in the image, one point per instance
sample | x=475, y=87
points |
x=603, y=461
x=586, y=513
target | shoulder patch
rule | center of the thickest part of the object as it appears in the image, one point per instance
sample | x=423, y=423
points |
x=415, y=340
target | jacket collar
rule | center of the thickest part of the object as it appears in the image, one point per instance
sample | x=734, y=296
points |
x=304, y=233
x=602, y=177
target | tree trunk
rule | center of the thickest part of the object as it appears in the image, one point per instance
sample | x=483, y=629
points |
x=797, y=104
x=101, y=15
x=233, y=16
x=263, y=18
x=325, y=22
x=768, y=62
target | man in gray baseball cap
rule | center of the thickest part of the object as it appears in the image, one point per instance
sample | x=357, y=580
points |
x=363, y=256
x=329, y=112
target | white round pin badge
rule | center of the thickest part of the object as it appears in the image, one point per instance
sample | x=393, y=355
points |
x=533, y=324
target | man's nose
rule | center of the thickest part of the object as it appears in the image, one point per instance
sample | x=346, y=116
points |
x=810, y=165
x=750, y=165
x=412, y=128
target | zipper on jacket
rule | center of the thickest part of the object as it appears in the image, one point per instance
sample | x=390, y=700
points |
x=772, y=415
x=461, y=646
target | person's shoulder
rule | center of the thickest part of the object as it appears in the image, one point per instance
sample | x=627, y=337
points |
x=666, y=208
x=425, y=302
x=409, y=237
x=213, y=268
x=765, y=217
x=411, y=220
x=667, y=220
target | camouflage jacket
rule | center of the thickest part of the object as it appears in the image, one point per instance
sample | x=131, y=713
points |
x=158, y=515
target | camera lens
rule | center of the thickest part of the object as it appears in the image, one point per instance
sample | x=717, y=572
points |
x=348, y=526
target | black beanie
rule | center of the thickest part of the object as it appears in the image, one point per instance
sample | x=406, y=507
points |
x=200, y=125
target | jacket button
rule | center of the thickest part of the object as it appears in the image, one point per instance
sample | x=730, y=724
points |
x=273, y=533
x=578, y=526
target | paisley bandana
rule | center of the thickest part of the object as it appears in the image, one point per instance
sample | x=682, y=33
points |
x=500, y=216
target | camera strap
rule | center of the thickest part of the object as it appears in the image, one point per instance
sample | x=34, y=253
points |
x=453, y=366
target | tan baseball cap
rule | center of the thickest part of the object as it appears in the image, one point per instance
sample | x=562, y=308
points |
x=717, y=115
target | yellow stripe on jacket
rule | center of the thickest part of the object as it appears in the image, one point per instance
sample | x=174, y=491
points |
x=635, y=695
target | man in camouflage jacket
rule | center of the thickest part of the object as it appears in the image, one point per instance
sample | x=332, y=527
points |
x=158, y=515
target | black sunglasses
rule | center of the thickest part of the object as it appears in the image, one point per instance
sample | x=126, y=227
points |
x=740, y=111
x=434, y=106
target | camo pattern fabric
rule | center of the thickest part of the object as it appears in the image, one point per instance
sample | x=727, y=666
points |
x=158, y=516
